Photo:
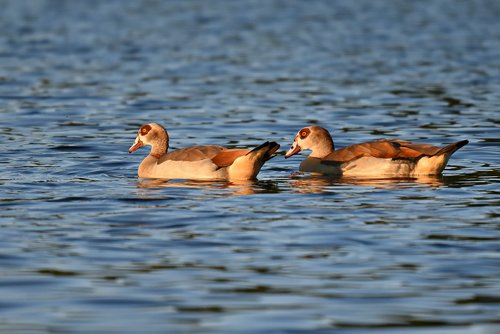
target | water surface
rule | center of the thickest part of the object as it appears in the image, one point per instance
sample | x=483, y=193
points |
x=87, y=247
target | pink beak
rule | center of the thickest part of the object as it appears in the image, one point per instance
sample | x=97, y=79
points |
x=137, y=144
x=293, y=150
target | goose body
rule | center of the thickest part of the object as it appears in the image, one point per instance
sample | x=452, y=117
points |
x=207, y=162
x=389, y=158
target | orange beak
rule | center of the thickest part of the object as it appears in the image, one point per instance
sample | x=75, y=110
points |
x=137, y=144
x=293, y=150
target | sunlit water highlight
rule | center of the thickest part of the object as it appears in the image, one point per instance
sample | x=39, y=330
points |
x=86, y=247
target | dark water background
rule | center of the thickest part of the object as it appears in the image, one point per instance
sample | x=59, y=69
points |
x=86, y=247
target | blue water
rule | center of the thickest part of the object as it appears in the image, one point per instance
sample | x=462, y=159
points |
x=87, y=247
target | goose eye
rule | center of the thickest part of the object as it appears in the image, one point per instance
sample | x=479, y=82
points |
x=145, y=129
x=304, y=133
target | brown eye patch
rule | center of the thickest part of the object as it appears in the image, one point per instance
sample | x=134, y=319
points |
x=145, y=129
x=304, y=133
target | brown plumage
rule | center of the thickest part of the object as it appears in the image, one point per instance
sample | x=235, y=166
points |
x=381, y=157
x=393, y=149
x=207, y=162
x=193, y=153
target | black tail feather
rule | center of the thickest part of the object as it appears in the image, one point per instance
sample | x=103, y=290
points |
x=450, y=149
x=270, y=146
x=261, y=146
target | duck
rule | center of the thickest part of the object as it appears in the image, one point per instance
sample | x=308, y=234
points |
x=203, y=162
x=378, y=158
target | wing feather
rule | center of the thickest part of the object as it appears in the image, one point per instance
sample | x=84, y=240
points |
x=226, y=158
x=194, y=153
x=384, y=149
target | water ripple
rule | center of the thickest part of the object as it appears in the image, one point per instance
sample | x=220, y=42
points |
x=86, y=246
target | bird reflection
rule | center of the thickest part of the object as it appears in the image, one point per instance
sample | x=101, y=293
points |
x=308, y=183
x=298, y=182
x=218, y=188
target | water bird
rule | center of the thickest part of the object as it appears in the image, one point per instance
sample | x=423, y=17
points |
x=204, y=162
x=379, y=158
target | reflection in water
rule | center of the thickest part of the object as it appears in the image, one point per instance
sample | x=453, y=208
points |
x=319, y=183
x=94, y=249
x=227, y=188
x=303, y=183
x=472, y=179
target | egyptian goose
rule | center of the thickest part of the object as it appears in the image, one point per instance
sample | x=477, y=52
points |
x=207, y=162
x=395, y=158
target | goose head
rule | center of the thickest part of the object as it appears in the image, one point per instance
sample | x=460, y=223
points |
x=314, y=138
x=154, y=135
